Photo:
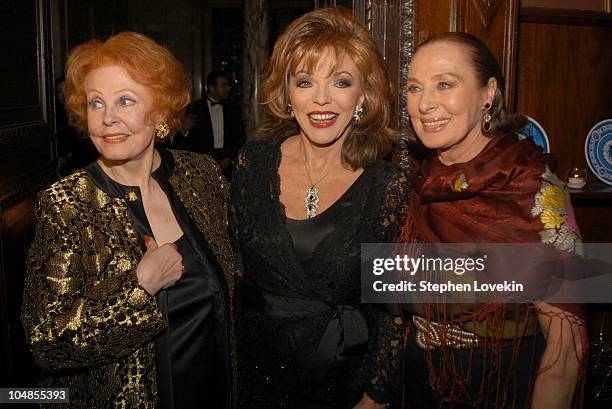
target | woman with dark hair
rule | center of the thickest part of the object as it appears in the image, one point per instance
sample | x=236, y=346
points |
x=130, y=275
x=484, y=185
x=306, y=194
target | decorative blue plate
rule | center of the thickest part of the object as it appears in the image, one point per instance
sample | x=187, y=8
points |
x=598, y=150
x=535, y=131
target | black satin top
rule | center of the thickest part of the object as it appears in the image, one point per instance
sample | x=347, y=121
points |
x=308, y=233
x=191, y=354
x=193, y=375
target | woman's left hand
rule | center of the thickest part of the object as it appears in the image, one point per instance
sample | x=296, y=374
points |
x=368, y=403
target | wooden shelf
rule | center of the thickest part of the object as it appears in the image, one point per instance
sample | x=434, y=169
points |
x=593, y=194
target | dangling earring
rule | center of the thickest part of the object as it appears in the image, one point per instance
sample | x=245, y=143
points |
x=161, y=130
x=358, y=114
x=290, y=110
x=486, y=119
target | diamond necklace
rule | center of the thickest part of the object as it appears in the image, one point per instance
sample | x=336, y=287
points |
x=311, y=199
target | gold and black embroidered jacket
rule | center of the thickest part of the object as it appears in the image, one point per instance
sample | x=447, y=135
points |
x=89, y=324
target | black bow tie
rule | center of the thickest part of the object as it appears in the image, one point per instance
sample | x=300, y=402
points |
x=213, y=103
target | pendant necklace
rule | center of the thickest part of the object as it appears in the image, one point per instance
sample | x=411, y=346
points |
x=311, y=199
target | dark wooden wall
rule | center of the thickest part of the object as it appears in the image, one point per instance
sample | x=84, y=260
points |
x=181, y=25
x=564, y=81
x=27, y=163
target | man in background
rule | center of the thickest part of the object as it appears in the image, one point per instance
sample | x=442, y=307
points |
x=212, y=125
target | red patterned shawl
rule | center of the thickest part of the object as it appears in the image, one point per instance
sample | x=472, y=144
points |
x=506, y=194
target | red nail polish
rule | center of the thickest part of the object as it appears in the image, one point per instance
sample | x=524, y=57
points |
x=147, y=239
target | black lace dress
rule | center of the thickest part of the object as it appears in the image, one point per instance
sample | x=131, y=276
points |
x=304, y=338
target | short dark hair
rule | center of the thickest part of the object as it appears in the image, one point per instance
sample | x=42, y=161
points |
x=213, y=76
x=485, y=66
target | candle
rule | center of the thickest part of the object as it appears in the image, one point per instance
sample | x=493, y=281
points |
x=576, y=182
x=576, y=178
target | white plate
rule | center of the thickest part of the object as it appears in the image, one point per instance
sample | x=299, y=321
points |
x=598, y=150
x=535, y=131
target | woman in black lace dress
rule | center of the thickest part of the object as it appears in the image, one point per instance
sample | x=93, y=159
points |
x=306, y=195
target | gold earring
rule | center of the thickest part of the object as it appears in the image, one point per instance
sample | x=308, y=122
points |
x=161, y=130
x=486, y=124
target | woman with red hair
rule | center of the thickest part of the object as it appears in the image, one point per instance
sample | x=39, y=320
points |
x=130, y=275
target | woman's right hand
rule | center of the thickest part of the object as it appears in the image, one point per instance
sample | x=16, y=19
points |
x=160, y=267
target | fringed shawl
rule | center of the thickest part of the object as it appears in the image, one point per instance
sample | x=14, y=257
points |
x=506, y=194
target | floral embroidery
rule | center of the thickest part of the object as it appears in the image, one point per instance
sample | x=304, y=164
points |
x=551, y=219
x=554, y=197
x=553, y=207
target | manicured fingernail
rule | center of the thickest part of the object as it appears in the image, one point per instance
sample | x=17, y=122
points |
x=147, y=239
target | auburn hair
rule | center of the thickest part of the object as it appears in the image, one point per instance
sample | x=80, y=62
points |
x=147, y=62
x=331, y=30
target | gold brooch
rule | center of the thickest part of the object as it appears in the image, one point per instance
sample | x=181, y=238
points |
x=132, y=196
x=460, y=183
